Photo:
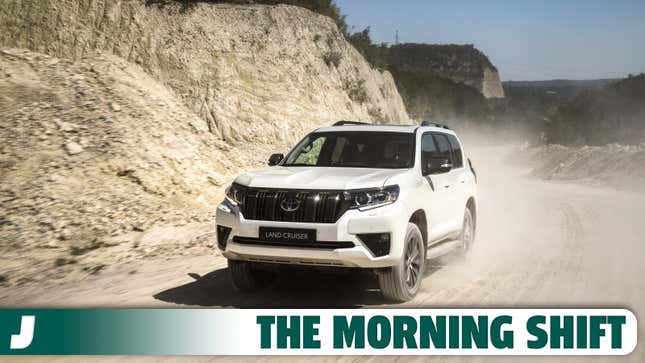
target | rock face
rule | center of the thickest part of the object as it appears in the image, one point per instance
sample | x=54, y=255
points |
x=459, y=63
x=251, y=72
x=67, y=186
x=491, y=85
x=120, y=119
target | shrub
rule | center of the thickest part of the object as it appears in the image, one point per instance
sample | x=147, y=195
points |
x=332, y=58
x=600, y=116
x=376, y=114
x=324, y=7
x=376, y=54
x=356, y=91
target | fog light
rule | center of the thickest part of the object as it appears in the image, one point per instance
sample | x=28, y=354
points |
x=377, y=243
x=222, y=236
x=224, y=208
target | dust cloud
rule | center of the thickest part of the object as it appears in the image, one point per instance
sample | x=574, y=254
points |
x=539, y=244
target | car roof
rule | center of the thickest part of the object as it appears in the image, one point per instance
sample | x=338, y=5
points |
x=384, y=128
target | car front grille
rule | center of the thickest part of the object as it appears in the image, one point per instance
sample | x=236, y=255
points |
x=312, y=206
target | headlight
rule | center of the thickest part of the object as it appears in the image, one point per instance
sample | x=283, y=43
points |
x=368, y=199
x=236, y=193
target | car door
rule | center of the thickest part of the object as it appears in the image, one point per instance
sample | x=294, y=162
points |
x=452, y=209
x=436, y=194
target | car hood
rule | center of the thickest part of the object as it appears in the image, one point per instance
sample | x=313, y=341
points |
x=281, y=177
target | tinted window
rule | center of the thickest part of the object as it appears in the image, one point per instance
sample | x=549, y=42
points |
x=428, y=151
x=457, y=157
x=443, y=146
x=391, y=150
x=427, y=145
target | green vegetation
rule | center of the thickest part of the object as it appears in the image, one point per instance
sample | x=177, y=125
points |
x=594, y=112
x=427, y=96
x=429, y=79
x=529, y=106
x=615, y=113
x=434, y=58
x=324, y=7
x=376, y=54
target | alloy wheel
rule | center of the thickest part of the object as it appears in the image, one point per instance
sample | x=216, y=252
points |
x=413, y=255
x=468, y=232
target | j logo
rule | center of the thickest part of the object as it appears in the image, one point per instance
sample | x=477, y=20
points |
x=26, y=335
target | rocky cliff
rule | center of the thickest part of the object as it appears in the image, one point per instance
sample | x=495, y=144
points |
x=251, y=72
x=94, y=150
x=460, y=63
x=122, y=123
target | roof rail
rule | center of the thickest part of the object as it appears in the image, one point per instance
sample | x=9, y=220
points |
x=342, y=123
x=430, y=123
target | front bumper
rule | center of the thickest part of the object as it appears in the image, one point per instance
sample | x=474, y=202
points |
x=388, y=219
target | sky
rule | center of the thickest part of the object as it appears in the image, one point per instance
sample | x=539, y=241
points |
x=525, y=39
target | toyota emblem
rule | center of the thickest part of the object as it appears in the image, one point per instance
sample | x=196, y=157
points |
x=290, y=204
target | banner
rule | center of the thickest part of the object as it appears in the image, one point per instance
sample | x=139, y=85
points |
x=317, y=332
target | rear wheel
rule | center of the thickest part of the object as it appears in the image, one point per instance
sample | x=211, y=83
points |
x=247, y=276
x=401, y=282
x=467, y=235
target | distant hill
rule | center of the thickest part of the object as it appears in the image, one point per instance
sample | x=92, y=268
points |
x=533, y=101
x=444, y=82
x=462, y=64
x=579, y=112
x=613, y=114
x=563, y=83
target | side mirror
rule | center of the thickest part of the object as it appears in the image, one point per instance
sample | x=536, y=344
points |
x=275, y=159
x=437, y=166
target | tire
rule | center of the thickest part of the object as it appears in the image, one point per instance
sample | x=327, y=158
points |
x=401, y=283
x=467, y=234
x=246, y=276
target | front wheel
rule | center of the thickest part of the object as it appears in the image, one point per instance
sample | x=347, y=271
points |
x=401, y=282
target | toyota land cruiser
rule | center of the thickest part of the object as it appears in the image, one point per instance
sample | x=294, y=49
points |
x=379, y=197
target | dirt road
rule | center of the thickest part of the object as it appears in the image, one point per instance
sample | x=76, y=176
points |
x=538, y=244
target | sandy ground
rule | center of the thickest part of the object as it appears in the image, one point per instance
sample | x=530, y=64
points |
x=539, y=244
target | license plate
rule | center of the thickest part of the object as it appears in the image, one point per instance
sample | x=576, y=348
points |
x=271, y=234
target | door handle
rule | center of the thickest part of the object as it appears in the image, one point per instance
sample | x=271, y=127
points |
x=447, y=186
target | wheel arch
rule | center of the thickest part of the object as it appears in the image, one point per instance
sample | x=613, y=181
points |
x=420, y=220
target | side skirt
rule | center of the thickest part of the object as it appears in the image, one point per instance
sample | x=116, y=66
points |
x=443, y=245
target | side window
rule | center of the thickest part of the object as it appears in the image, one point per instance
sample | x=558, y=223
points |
x=457, y=156
x=427, y=144
x=428, y=151
x=443, y=146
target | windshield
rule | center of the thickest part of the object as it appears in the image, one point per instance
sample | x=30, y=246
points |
x=378, y=150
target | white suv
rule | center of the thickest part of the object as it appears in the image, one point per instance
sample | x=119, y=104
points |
x=353, y=195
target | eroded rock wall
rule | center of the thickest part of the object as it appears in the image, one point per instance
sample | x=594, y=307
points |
x=251, y=72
